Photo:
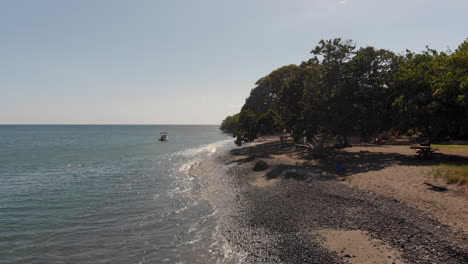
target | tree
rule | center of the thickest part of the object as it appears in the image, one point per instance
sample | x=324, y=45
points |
x=248, y=126
x=344, y=91
x=371, y=72
x=230, y=124
x=260, y=114
x=333, y=106
x=431, y=90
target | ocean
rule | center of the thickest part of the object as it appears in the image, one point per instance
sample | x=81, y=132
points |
x=108, y=194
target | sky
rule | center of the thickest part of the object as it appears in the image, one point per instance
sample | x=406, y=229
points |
x=184, y=62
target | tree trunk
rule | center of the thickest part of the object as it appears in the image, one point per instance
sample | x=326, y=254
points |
x=346, y=142
x=317, y=146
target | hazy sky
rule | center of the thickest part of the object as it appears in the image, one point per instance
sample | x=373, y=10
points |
x=184, y=62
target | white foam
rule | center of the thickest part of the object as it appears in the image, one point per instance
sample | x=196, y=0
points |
x=185, y=184
x=180, y=210
x=208, y=148
x=196, y=154
x=185, y=168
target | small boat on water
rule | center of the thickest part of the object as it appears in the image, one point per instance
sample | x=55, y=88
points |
x=163, y=136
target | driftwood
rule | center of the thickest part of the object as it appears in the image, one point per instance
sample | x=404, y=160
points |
x=436, y=188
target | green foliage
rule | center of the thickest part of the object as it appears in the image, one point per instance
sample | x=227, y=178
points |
x=453, y=173
x=248, y=126
x=432, y=91
x=370, y=78
x=230, y=124
x=269, y=122
x=346, y=91
x=453, y=148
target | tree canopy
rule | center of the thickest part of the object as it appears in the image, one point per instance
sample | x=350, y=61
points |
x=344, y=90
x=230, y=124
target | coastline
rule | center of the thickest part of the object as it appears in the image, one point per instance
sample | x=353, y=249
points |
x=299, y=211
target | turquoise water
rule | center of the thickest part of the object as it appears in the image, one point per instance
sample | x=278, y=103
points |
x=106, y=194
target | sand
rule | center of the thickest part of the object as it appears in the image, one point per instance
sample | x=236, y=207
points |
x=388, y=170
x=406, y=182
x=358, y=247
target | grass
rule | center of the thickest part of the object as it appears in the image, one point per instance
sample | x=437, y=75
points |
x=453, y=173
x=454, y=148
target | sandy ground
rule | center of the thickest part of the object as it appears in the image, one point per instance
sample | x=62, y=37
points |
x=390, y=176
x=358, y=248
x=406, y=182
x=400, y=175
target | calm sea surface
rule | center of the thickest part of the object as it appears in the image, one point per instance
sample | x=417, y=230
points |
x=106, y=194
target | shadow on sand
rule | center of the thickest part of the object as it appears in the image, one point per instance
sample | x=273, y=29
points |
x=325, y=168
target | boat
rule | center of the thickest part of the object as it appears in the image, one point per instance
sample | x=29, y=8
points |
x=163, y=136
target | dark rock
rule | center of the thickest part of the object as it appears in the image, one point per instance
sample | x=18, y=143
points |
x=260, y=165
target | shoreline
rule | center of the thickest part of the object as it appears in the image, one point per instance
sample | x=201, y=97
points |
x=297, y=210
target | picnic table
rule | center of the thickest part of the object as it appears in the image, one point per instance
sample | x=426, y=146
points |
x=424, y=151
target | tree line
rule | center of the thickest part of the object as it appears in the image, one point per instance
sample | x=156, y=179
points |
x=343, y=91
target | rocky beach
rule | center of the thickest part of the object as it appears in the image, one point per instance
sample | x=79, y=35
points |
x=299, y=210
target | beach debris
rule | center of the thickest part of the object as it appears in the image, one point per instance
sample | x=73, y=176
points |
x=339, y=168
x=436, y=188
x=261, y=165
